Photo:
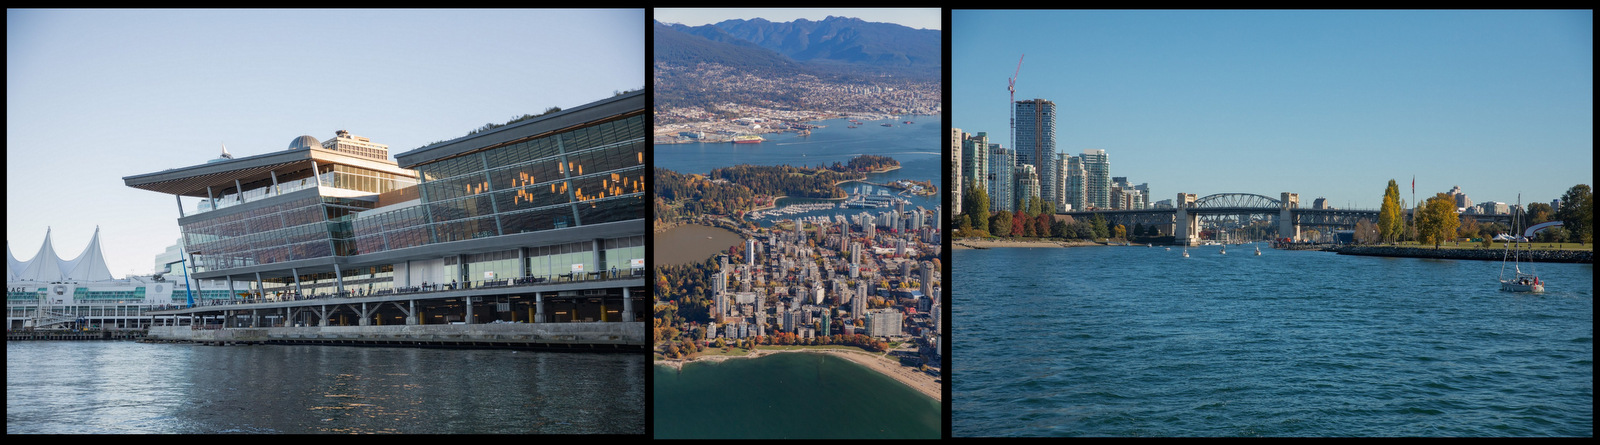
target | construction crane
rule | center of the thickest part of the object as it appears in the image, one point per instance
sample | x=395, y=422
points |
x=1012, y=87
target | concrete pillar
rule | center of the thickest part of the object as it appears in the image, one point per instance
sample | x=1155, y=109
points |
x=1184, y=227
x=1286, y=226
x=522, y=262
x=468, y=300
x=627, y=306
x=411, y=315
x=297, y=290
x=323, y=315
x=538, y=305
x=338, y=278
x=366, y=317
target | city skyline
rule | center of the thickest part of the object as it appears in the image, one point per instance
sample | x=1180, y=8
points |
x=1329, y=104
x=126, y=100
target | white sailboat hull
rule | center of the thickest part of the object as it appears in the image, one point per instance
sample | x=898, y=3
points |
x=1513, y=286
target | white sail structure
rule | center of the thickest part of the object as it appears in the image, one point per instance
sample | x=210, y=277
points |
x=89, y=265
x=12, y=265
x=46, y=266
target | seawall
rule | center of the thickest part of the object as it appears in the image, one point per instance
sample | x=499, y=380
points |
x=613, y=336
x=1543, y=256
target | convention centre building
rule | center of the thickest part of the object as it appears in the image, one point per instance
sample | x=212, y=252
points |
x=535, y=227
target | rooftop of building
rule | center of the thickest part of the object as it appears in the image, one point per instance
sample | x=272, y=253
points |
x=586, y=114
x=221, y=173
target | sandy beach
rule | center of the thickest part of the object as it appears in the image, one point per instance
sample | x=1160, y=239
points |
x=923, y=382
x=975, y=243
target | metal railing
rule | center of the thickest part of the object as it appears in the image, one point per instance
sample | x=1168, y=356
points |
x=283, y=296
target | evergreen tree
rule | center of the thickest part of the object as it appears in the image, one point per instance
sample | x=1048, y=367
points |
x=977, y=205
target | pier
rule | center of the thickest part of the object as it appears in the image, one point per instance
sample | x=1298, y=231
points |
x=598, y=337
x=64, y=334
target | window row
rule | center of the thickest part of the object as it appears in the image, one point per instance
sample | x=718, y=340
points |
x=405, y=229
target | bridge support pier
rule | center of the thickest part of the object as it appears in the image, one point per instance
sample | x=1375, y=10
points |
x=1185, y=227
x=1286, y=226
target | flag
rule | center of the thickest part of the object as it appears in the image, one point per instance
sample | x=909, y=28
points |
x=1413, y=184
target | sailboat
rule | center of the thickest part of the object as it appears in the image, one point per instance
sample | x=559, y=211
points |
x=1186, y=252
x=1224, y=249
x=1520, y=282
x=1258, y=250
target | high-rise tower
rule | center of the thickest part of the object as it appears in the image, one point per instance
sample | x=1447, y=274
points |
x=1035, y=141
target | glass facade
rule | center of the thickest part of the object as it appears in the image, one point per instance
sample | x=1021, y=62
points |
x=589, y=175
x=293, y=230
x=619, y=253
x=584, y=176
x=490, y=266
x=305, y=228
x=561, y=259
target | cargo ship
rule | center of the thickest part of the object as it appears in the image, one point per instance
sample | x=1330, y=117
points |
x=747, y=139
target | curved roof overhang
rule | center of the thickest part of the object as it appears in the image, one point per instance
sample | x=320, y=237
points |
x=192, y=181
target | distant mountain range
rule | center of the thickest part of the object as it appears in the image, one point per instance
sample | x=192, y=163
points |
x=832, y=46
x=677, y=45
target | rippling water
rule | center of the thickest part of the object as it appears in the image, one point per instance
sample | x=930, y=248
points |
x=916, y=146
x=789, y=396
x=119, y=387
x=1136, y=341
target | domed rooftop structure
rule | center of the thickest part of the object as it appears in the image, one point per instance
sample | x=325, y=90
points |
x=303, y=142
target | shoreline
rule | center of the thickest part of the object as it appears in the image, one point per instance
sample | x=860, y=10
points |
x=1471, y=254
x=918, y=381
x=970, y=243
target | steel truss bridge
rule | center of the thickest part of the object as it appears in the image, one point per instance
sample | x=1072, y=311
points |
x=1184, y=221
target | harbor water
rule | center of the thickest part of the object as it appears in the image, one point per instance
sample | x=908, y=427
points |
x=1139, y=341
x=915, y=145
x=789, y=396
x=122, y=387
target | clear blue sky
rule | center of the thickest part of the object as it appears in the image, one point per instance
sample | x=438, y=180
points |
x=919, y=18
x=96, y=95
x=1328, y=104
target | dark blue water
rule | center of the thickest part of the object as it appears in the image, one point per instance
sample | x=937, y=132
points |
x=1136, y=341
x=122, y=387
x=916, y=146
x=789, y=396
